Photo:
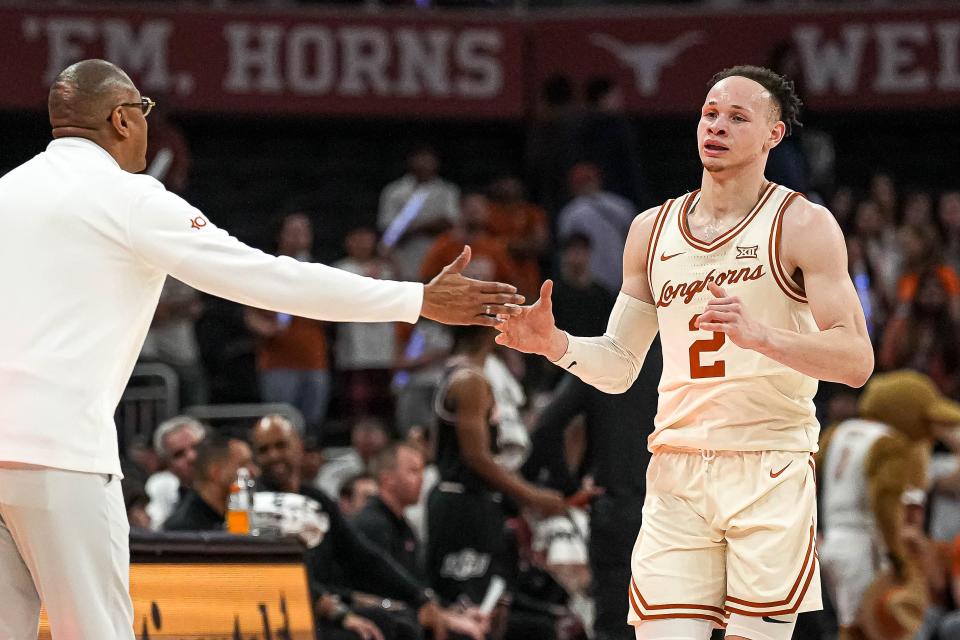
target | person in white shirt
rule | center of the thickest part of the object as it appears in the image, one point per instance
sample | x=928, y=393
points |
x=75, y=320
x=175, y=441
x=415, y=209
x=602, y=216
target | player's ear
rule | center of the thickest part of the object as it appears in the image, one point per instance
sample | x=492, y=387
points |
x=777, y=134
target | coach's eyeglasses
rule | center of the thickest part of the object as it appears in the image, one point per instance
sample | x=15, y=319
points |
x=146, y=105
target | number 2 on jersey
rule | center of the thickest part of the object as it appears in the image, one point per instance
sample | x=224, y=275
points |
x=708, y=345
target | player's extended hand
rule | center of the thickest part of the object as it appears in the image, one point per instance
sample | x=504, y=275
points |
x=533, y=330
x=726, y=314
x=452, y=298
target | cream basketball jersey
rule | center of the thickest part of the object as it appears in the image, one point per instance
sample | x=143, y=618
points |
x=713, y=394
x=845, y=501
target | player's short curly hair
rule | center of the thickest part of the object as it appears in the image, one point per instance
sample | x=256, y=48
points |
x=781, y=89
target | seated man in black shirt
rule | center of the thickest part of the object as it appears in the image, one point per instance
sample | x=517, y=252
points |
x=399, y=471
x=214, y=470
x=277, y=447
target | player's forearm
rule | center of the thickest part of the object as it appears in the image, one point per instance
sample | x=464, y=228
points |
x=499, y=478
x=233, y=271
x=612, y=362
x=601, y=362
x=832, y=355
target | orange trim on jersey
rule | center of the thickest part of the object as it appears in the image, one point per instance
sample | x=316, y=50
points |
x=780, y=612
x=663, y=616
x=658, y=225
x=807, y=569
x=720, y=240
x=785, y=282
x=659, y=607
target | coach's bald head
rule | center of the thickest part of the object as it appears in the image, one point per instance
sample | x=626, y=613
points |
x=86, y=101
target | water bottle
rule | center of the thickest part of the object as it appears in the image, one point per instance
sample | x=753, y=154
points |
x=239, y=505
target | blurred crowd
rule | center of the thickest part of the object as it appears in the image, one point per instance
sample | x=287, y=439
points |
x=376, y=456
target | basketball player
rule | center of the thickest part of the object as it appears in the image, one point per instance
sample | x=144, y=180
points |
x=463, y=559
x=747, y=283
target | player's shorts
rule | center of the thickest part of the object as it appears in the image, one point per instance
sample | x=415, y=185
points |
x=851, y=561
x=726, y=532
x=465, y=541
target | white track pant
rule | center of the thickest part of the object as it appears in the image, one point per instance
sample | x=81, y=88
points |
x=64, y=540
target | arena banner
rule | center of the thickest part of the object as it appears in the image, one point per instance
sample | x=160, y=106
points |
x=842, y=59
x=479, y=65
x=308, y=62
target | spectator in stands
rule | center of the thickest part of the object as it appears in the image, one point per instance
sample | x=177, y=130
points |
x=242, y=454
x=877, y=240
x=135, y=500
x=603, y=217
x=948, y=214
x=416, y=514
x=944, y=504
x=368, y=436
x=415, y=209
x=204, y=507
x=580, y=305
x=489, y=255
x=522, y=226
x=919, y=246
x=141, y=461
x=175, y=441
x=883, y=193
x=918, y=209
x=277, y=447
x=549, y=150
x=172, y=340
x=311, y=461
x=923, y=334
x=365, y=351
x=419, y=368
x=292, y=360
x=355, y=492
x=398, y=470
x=607, y=139
x=842, y=207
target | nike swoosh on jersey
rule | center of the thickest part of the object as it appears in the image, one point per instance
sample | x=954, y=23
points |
x=774, y=620
x=664, y=257
x=571, y=365
x=774, y=475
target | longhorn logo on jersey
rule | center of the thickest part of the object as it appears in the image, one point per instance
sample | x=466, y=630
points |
x=687, y=290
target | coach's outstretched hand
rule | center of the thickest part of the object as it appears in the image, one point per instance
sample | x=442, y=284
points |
x=533, y=330
x=452, y=298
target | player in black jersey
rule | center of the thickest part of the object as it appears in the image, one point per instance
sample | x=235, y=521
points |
x=465, y=537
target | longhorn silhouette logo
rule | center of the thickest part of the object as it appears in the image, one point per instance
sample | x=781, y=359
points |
x=647, y=59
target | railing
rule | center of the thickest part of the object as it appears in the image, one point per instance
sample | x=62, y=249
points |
x=151, y=396
x=242, y=416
